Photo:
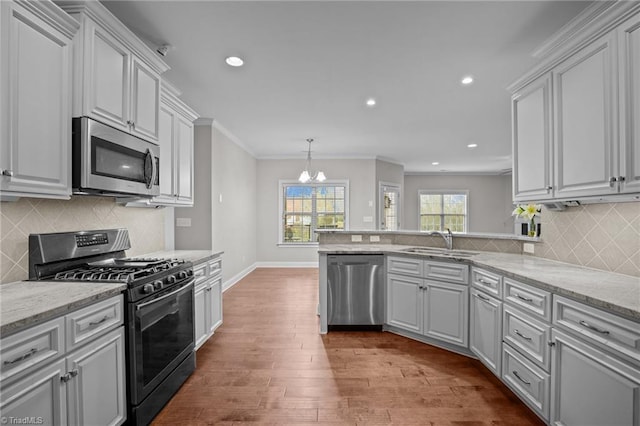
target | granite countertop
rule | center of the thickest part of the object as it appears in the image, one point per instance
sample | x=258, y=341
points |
x=611, y=291
x=27, y=303
x=193, y=256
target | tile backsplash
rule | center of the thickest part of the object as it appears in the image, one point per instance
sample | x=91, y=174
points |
x=30, y=215
x=601, y=236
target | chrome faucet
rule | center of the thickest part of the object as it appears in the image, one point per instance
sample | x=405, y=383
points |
x=448, y=237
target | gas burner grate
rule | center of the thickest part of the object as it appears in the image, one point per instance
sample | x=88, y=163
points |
x=119, y=270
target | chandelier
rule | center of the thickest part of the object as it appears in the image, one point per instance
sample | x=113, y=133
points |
x=305, y=176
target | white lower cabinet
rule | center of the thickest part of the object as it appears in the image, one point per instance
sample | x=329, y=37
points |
x=486, y=329
x=207, y=299
x=528, y=381
x=404, y=302
x=446, y=312
x=82, y=386
x=591, y=387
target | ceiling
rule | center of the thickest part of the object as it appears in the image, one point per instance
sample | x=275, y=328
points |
x=311, y=65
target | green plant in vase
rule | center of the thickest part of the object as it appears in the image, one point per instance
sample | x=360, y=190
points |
x=529, y=212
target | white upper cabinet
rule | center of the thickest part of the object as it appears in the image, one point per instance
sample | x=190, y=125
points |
x=532, y=167
x=117, y=77
x=629, y=51
x=35, y=105
x=575, y=134
x=584, y=99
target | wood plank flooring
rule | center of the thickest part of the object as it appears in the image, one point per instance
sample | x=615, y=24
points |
x=267, y=364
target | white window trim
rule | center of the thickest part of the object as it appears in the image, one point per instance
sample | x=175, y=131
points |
x=447, y=191
x=282, y=182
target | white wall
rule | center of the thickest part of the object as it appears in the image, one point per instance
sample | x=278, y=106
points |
x=490, y=203
x=233, y=176
x=362, y=196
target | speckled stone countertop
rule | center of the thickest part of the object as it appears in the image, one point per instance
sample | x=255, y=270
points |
x=613, y=292
x=193, y=256
x=27, y=303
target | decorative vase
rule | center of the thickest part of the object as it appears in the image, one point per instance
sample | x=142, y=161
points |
x=532, y=228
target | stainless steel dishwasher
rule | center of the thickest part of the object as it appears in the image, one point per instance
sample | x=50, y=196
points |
x=355, y=295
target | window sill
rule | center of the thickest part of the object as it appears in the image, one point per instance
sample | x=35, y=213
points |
x=299, y=245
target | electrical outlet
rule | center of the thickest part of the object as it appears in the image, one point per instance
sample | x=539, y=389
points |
x=356, y=238
x=528, y=248
x=374, y=238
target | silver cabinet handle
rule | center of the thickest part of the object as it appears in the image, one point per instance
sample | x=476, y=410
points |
x=7, y=173
x=486, y=283
x=515, y=373
x=526, y=299
x=485, y=298
x=589, y=326
x=22, y=357
x=73, y=373
x=106, y=317
x=549, y=188
x=65, y=378
x=522, y=335
x=612, y=181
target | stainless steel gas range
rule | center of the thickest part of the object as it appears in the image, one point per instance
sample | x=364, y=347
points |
x=159, y=307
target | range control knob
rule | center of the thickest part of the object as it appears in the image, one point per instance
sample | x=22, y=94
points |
x=182, y=275
x=189, y=272
x=158, y=284
x=148, y=289
x=171, y=279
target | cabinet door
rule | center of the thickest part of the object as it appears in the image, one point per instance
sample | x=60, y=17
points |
x=216, y=304
x=36, y=105
x=629, y=53
x=445, y=312
x=145, y=101
x=184, y=160
x=166, y=131
x=108, y=73
x=532, y=162
x=97, y=388
x=40, y=397
x=199, y=319
x=589, y=387
x=486, y=330
x=585, y=122
x=404, y=302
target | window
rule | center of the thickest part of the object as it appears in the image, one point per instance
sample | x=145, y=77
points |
x=443, y=209
x=307, y=207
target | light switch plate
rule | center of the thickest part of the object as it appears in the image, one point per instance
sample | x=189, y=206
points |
x=183, y=222
x=528, y=248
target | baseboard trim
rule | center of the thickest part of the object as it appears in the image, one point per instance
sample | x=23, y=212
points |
x=237, y=277
x=287, y=264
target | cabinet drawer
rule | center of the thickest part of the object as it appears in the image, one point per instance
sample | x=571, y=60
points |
x=599, y=327
x=487, y=281
x=528, y=381
x=31, y=348
x=531, y=299
x=215, y=267
x=405, y=266
x=528, y=335
x=200, y=272
x=445, y=271
x=88, y=323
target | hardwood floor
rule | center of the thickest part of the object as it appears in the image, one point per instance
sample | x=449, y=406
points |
x=267, y=364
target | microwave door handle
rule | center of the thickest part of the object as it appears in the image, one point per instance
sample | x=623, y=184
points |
x=149, y=179
x=155, y=168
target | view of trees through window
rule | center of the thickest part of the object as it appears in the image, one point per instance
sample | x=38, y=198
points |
x=439, y=211
x=310, y=207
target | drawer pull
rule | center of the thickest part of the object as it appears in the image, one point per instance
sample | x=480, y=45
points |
x=526, y=299
x=589, y=326
x=485, y=298
x=515, y=373
x=22, y=357
x=73, y=373
x=522, y=335
x=95, y=323
x=481, y=281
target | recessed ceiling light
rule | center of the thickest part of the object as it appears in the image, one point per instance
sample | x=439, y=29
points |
x=472, y=145
x=467, y=80
x=435, y=163
x=371, y=102
x=234, y=61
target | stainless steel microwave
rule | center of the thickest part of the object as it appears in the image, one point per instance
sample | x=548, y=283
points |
x=108, y=161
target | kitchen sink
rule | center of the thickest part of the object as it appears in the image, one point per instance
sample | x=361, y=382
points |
x=439, y=252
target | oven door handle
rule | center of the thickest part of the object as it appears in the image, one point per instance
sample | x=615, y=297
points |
x=166, y=296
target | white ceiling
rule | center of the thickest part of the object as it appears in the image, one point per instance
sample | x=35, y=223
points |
x=310, y=66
